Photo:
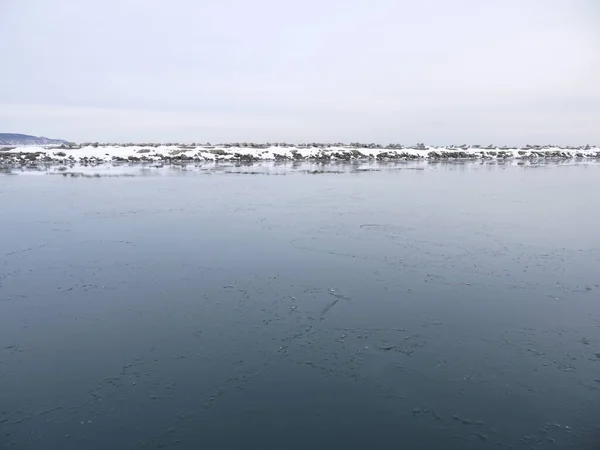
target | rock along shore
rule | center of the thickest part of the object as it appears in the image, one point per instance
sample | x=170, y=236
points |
x=92, y=154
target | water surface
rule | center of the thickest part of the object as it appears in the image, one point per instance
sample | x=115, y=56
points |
x=428, y=306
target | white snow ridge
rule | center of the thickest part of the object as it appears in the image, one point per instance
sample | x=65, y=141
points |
x=102, y=153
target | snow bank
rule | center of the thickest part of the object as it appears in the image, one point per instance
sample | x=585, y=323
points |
x=173, y=153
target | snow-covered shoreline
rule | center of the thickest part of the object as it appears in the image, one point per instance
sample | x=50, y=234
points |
x=100, y=154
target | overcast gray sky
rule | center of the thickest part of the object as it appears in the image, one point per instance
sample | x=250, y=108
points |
x=433, y=71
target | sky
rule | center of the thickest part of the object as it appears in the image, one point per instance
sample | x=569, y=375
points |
x=441, y=72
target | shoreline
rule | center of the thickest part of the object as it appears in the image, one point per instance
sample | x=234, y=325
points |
x=179, y=154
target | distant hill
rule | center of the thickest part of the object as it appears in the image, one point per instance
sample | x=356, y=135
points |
x=25, y=139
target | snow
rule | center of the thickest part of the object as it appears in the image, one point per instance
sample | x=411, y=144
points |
x=223, y=153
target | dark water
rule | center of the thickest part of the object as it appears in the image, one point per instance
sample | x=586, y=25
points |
x=455, y=306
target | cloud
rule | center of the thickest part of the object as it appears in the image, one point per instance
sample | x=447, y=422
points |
x=433, y=71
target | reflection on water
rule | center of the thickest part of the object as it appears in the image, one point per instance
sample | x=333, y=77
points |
x=71, y=169
x=412, y=305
